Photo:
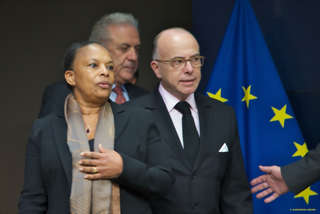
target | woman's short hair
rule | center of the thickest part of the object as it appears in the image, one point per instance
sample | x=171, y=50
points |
x=72, y=51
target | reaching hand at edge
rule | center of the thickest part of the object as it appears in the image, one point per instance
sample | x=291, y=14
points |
x=270, y=184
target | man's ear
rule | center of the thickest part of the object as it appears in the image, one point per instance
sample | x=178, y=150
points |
x=70, y=78
x=155, y=67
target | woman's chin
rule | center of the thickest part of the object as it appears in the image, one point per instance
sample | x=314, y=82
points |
x=104, y=97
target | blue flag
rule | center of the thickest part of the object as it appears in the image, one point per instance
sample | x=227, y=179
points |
x=245, y=77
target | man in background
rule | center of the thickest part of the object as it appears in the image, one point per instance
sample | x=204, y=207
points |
x=118, y=32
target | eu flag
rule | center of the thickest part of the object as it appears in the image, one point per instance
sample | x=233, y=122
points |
x=245, y=77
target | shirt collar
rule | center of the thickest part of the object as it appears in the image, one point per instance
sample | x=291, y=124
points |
x=170, y=100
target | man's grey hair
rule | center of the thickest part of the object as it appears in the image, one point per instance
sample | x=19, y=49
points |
x=100, y=31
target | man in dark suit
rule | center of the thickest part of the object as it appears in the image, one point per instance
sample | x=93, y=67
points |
x=293, y=177
x=118, y=32
x=205, y=154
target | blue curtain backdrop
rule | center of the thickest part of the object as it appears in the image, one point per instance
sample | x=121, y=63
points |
x=291, y=31
x=245, y=77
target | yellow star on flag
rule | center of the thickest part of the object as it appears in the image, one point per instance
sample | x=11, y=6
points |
x=305, y=194
x=280, y=115
x=302, y=150
x=247, y=95
x=217, y=96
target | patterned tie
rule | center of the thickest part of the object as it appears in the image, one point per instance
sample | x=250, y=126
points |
x=120, y=99
x=190, y=135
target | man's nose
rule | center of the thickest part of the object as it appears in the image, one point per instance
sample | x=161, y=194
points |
x=133, y=54
x=104, y=71
x=188, y=66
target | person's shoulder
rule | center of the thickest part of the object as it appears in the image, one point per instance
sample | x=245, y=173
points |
x=53, y=98
x=137, y=114
x=46, y=120
x=44, y=123
x=132, y=107
x=58, y=86
x=142, y=101
x=135, y=87
x=135, y=90
x=126, y=108
x=211, y=102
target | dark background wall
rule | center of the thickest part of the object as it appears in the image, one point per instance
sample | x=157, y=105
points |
x=291, y=30
x=34, y=35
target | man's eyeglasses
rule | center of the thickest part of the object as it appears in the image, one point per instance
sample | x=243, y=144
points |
x=179, y=62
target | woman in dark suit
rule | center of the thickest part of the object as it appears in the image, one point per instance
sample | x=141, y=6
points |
x=57, y=177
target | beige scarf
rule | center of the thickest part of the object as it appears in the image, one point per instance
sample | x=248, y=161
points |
x=89, y=196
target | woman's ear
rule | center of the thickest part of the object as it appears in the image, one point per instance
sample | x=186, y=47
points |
x=70, y=78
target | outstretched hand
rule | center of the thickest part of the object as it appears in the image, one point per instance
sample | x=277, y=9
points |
x=270, y=184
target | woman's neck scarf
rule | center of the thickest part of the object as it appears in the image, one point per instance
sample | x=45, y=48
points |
x=89, y=196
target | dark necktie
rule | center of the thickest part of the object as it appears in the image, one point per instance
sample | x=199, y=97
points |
x=190, y=135
x=120, y=97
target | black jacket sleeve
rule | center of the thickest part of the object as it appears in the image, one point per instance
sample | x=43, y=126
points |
x=303, y=173
x=33, y=197
x=145, y=170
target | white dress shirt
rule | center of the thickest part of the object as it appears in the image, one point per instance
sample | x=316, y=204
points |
x=176, y=117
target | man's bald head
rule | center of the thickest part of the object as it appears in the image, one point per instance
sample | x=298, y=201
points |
x=170, y=37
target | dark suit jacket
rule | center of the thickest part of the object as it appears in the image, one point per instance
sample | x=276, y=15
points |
x=217, y=183
x=48, y=167
x=301, y=174
x=55, y=94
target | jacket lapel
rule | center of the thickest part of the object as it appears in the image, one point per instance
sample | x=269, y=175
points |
x=120, y=121
x=131, y=92
x=205, y=112
x=59, y=127
x=167, y=129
